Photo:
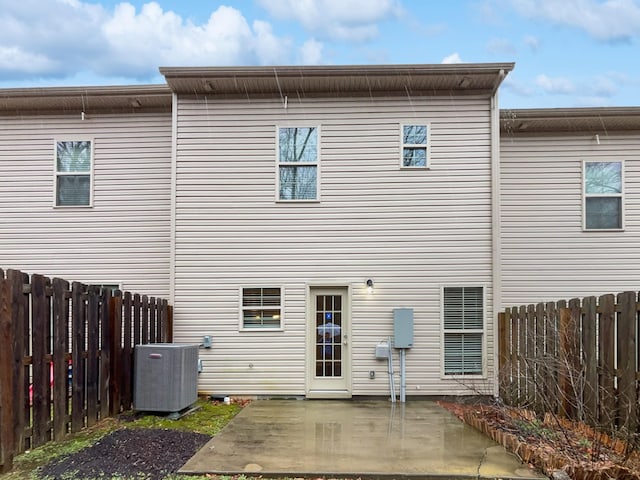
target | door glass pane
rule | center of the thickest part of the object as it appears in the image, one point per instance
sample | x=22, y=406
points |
x=328, y=336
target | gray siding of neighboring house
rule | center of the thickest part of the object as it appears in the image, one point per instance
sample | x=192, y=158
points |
x=124, y=238
x=545, y=253
x=410, y=231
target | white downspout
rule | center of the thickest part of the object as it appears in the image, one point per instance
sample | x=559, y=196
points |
x=496, y=222
x=174, y=170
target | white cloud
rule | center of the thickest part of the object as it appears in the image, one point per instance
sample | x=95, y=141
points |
x=533, y=43
x=453, y=58
x=501, y=46
x=609, y=20
x=311, y=53
x=517, y=88
x=60, y=38
x=352, y=20
x=556, y=86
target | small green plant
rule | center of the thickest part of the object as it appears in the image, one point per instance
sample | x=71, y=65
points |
x=537, y=428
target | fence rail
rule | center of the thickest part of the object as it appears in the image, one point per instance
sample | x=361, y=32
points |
x=66, y=356
x=578, y=359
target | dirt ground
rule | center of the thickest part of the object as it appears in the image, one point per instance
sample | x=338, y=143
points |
x=148, y=453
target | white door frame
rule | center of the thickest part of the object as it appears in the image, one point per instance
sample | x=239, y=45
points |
x=335, y=387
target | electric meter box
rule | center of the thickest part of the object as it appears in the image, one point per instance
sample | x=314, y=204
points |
x=403, y=327
x=382, y=351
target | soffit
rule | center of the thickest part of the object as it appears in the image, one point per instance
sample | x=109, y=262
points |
x=117, y=99
x=310, y=81
x=562, y=120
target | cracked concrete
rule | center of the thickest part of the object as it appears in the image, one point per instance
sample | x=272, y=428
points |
x=365, y=438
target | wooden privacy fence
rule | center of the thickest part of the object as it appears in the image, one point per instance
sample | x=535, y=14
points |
x=578, y=359
x=66, y=356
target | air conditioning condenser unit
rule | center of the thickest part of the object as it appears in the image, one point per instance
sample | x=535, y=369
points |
x=165, y=377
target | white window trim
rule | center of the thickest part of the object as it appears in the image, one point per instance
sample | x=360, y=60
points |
x=241, y=309
x=56, y=174
x=458, y=377
x=317, y=164
x=403, y=145
x=620, y=195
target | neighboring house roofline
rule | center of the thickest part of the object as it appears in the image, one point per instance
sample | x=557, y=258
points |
x=595, y=120
x=93, y=99
x=344, y=80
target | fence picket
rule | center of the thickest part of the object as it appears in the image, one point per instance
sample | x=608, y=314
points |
x=93, y=335
x=20, y=332
x=589, y=360
x=7, y=445
x=627, y=396
x=78, y=351
x=60, y=366
x=606, y=361
x=40, y=364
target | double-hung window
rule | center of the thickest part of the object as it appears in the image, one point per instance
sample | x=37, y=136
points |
x=73, y=172
x=298, y=160
x=603, y=190
x=415, y=146
x=463, y=330
x=261, y=307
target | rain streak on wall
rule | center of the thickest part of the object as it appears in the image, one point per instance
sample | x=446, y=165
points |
x=410, y=231
x=124, y=238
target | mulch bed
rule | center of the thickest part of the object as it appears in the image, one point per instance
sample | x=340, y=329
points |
x=552, y=444
x=142, y=453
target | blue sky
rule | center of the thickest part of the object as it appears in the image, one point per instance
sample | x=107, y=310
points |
x=568, y=53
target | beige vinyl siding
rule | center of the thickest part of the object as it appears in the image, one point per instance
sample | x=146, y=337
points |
x=410, y=231
x=124, y=238
x=546, y=255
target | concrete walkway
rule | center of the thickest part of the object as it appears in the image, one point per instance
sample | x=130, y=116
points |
x=364, y=438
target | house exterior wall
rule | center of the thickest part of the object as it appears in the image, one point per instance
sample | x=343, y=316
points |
x=410, y=231
x=124, y=237
x=546, y=255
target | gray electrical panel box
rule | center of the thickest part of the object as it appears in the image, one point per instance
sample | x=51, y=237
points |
x=403, y=327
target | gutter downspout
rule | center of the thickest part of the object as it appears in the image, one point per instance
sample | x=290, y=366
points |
x=174, y=169
x=496, y=222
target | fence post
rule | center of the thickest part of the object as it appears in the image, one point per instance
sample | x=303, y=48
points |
x=7, y=446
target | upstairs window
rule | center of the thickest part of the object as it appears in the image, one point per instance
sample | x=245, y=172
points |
x=602, y=204
x=415, y=146
x=298, y=163
x=73, y=173
x=261, y=307
x=463, y=327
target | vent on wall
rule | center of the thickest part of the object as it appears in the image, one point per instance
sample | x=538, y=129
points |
x=165, y=377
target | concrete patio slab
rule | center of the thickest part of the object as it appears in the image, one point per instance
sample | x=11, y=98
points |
x=363, y=438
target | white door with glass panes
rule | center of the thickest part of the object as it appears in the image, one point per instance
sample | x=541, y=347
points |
x=328, y=343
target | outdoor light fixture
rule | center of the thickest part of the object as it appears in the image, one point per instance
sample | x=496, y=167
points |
x=370, y=286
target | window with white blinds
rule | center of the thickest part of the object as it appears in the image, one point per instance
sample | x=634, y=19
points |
x=463, y=330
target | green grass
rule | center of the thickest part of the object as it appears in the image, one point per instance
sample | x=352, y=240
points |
x=209, y=419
